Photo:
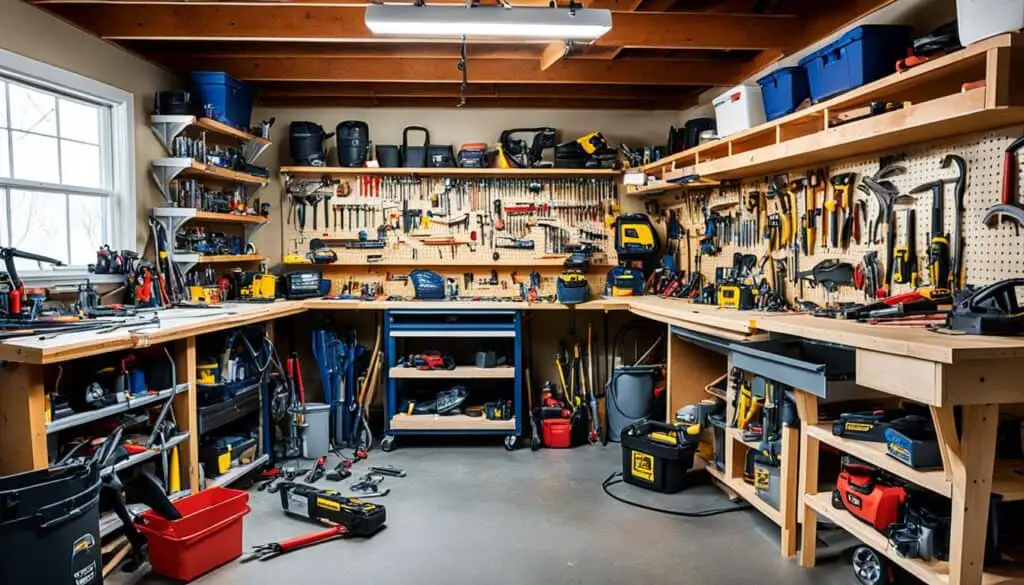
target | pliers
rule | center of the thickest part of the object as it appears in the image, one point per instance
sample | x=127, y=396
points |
x=265, y=552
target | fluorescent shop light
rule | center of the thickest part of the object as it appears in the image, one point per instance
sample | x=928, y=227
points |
x=581, y=24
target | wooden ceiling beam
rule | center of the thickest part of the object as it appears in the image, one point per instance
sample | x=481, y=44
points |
x=323, y=23
x=553, y=53
x=560, y=103
x=496, y=90
x=645, y=72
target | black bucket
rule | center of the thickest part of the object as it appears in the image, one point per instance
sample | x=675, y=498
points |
x=50, y=527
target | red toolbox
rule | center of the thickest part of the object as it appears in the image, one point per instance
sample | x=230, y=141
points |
x=557, y=433
x=208, y=535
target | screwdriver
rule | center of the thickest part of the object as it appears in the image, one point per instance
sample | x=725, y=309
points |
x=903, y=257
x=938, y=248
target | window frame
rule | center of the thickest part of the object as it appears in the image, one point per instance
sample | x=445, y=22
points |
x=121, y=232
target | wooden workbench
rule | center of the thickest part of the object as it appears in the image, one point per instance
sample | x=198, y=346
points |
x=941, y=371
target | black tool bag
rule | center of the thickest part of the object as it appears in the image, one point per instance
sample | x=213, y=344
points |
x=306, y=143
x=353, y=138
x=415, y=156
x=440, y=155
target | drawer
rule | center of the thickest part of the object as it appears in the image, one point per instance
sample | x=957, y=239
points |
x=804, y=365
x=440, y=323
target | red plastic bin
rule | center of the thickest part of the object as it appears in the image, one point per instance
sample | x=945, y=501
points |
x=208, y=534
x=557, y=433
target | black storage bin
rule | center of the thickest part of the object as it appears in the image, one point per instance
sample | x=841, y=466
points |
x=50, y=526
x=440, y=155
x=388, y=156
x=415, y=156
x=653, y=464
x=306, y=143
x=175, y=102
x=353, y=138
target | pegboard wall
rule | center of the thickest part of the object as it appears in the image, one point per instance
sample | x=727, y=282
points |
x=381, y=227
x=991, y=253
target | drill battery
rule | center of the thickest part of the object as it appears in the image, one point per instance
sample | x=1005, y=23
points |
x=866, y=425
x=360, y=517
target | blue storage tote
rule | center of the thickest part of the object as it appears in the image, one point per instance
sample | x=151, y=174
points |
x=783, y=90
x=860, y=56
x=229, y=99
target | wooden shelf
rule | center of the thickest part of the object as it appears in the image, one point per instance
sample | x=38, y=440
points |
x=931, y=572
x=211, y=125
x=346, y=263
x=455, y=422
x=229, y=218
x=187, y=169
x=874, y=453
x=939, y=110
x=747, y=492
x=737, y=435
x=447, y=172
x=231, y=258
x=459, y=373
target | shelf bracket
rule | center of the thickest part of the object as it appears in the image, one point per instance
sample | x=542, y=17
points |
x=166, y=173
x=167, y=131
x=252, y=150
x=251, y=229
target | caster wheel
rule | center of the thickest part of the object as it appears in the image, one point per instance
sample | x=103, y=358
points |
x=870, y=567
x=387, y=444
x=837, y=500
x=511, y=442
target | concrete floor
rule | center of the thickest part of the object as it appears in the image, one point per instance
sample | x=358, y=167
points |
x=481, y=515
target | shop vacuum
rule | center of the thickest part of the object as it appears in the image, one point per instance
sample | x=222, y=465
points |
x=49, y=519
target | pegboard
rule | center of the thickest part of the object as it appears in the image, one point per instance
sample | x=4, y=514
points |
x=990, y=253
x=452, y=221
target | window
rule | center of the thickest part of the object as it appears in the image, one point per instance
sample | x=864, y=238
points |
x=65, y=166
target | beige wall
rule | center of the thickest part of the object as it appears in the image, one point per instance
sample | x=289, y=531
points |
x=448, y=126
x=31, y=32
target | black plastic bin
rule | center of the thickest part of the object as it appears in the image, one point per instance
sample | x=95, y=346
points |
x=50, y=527
x=656, y=456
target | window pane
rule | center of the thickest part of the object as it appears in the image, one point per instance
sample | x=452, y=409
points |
x=79, y=122
x=39, y=225
x=3, y=218
x=33, y=111
x=5, y=154
x=3, y=105
x=80, y=164
x=87, y=219
x=35, y=158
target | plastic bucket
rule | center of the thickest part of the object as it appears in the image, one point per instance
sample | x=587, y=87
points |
x=630, y=397
x=50, y=527
x=208, y=534
x=317, y=440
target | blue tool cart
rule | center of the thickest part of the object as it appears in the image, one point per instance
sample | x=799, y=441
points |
x=460, y=335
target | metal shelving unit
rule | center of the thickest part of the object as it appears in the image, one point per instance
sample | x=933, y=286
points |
x=236, y=473
x=132, y=403
x=401, y=325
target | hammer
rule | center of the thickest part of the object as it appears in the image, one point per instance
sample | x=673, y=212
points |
x=1008, y=205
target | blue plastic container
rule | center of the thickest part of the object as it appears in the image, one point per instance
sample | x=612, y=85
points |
x=229, y=99
x=783, y=90
x=861, y=56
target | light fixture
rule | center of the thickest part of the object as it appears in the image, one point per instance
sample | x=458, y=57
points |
x=570, y=24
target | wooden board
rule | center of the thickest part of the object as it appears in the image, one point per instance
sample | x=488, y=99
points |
x=231, y=259
x=211, y=125
x=459, y=373
x=875, y=454
x=22, y=418
x=456, y=422
x=445, y=172
x=229, y=217
x=931, y=572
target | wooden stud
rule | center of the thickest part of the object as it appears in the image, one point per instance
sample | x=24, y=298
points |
x=997, y=73
x=972, y=488
x=789, y=490
x=949, y=443
x=186, y=410
x=807, y=408
x=561, y=101
x=288, y=90
x=22, y=418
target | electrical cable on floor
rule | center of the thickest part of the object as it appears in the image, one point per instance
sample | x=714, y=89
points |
x=611, y=480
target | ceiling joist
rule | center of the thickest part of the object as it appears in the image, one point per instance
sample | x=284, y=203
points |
x=321, y=23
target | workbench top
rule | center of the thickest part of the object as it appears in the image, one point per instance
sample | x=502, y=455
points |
x=174, y=324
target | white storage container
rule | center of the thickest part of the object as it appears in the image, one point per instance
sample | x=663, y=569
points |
x=980, y=19
x=739, y=108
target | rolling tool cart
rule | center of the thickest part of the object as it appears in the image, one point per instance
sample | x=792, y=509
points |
x=476, y=396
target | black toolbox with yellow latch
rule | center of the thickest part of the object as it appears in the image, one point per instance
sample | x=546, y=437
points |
x=656, y=455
